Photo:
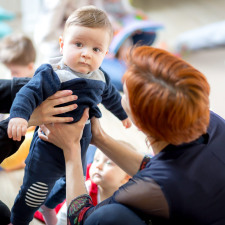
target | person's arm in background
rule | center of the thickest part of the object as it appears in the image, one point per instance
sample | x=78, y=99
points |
x=8, y=90
x=44, y=113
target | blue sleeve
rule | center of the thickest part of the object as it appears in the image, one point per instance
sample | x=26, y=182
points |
x=44, y=84
x=111, y=99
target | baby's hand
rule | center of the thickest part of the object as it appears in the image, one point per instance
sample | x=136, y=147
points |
x=17, y=128
x=127, y=123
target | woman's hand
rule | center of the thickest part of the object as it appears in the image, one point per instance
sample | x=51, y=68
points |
x=65, y=136
x=97, y=132
x=45, y=113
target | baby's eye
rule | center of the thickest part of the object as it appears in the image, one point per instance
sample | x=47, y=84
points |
x=96, y=160
x=78, y=44
x=109, y=162
x=96, y=49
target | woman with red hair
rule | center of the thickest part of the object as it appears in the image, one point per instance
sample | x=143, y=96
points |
x=184, y=183
x=168, y=98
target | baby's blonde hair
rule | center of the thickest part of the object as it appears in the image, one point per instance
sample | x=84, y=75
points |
x=89, y=16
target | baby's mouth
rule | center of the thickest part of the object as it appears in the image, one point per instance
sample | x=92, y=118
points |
x=84, y=63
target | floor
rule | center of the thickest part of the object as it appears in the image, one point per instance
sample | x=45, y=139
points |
x=177, y=16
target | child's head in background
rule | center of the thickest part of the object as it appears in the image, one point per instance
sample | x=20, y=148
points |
x=106, y=174
x=86, y=39
x=18, y=54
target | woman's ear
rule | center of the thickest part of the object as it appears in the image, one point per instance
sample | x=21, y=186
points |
x=61, y=44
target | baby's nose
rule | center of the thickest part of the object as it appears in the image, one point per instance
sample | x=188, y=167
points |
x=86, y=53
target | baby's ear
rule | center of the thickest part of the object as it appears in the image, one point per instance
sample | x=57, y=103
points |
x=61, y=43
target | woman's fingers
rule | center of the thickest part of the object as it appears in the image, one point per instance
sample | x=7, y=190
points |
x=59, y=120
x=41, y=135
x=43, y=129
x=64, y=109
x=97, y=132
x=45, y=113
x=85, y=117
x=63, y=100
x=60, y=94
x=64, y=135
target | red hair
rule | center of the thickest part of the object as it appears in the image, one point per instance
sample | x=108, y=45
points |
x=169, y=99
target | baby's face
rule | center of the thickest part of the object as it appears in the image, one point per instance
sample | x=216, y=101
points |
x=105, y=173
x=84, y=48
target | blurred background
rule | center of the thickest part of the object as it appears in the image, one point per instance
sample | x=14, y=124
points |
x=192, y=29
x=183, y=22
